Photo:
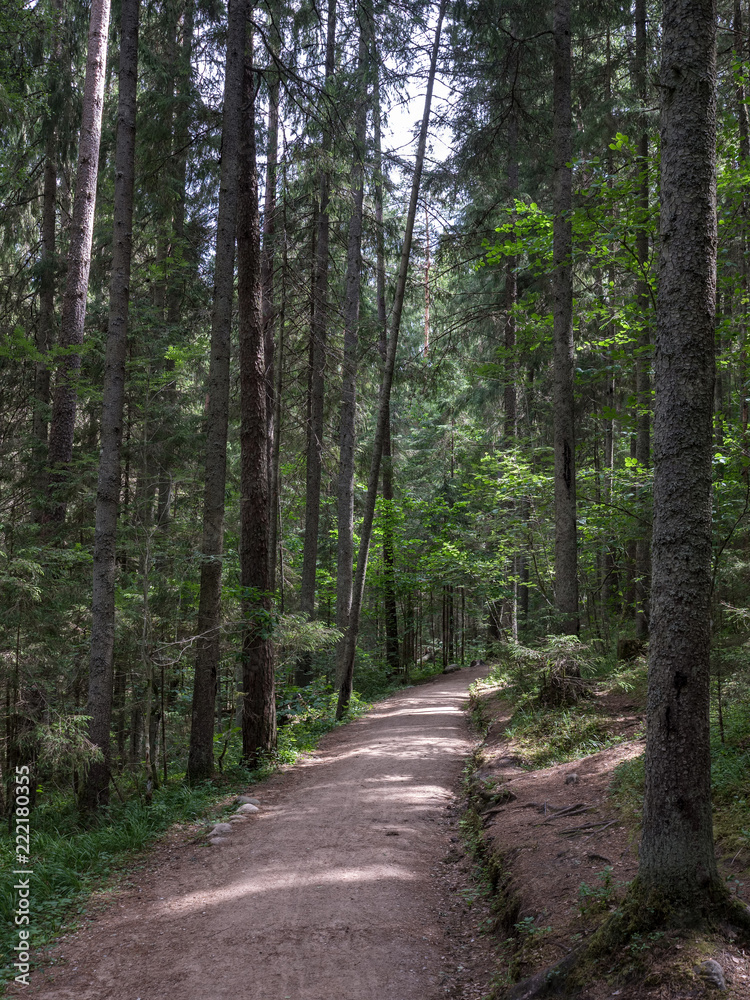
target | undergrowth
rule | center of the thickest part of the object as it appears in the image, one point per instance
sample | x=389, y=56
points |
x=730, y=780
x=546, y=736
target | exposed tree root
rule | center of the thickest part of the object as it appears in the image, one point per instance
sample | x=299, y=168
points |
x=641, y=913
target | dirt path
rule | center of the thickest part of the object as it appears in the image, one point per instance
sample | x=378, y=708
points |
x=328, y=894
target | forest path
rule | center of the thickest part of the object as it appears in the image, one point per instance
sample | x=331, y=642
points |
x=328, y=894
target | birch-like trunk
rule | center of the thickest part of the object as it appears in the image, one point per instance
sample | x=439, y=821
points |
x=96, y=787
x=72, y=320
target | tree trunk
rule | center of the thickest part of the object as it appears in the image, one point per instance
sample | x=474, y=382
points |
x=73, y=316
x=258, y=681
x=345, y=689
x=46, y=326
x=389, y=573
x=175, y=280
x=318, y=335
x=677, y=860
x=742, y=125
x=95, y=791
x=345, y=497
x=643, y=363
x=566, y=560
x=267, y=268
x=208, y=646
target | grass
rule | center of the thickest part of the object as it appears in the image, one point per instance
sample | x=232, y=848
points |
x=730, y=780
x=69, y=862
x=546, y=736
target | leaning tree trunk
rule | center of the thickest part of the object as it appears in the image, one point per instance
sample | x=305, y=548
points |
x=345, y=688
x=677, y=863
x=258, y=681
x=643, y=362
x=208, y=645
x=345, y=492
x=96, y=788
x=318, y=334
x=566, y=559
x=72, y=320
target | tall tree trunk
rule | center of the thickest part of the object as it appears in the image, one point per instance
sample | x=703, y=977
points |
x=426, y=280
x=347, y=433
x=208, y=646
x=511, y=396
x=677, y=861
x=258, y=681
x=318, y=334
x=267, y=268
x=45, y=331
x=60, y=451
x=181, y=54
x=511, y=294
x=566, y=560
x=45, y=334
x=643, y=363
x=742, y=125
x=345, y=689
x=389, y=572
x=275, y=552
x=95, y=791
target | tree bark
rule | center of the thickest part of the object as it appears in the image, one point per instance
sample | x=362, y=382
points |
x=318, y=336
x=347, y=432
x=95, y=791
x=258, y=680
x=392, y=655
x=60, y=451
x=643, y=363
x=46, y=327
x=345, y=689
x=566, y=558
x=268, y=265
x=175, y=280
x=208, y=646
x=677, y=859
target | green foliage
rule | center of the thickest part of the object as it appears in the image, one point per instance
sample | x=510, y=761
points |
x=295, y=634
x=730, y=773
x=597, y=898
x=68, y=862
x=528, y=929
x=62, y=743
x=546, y=736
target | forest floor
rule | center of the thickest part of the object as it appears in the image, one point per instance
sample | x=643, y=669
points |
x=354, y=882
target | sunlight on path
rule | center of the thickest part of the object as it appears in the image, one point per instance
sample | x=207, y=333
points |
x=326, y=895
